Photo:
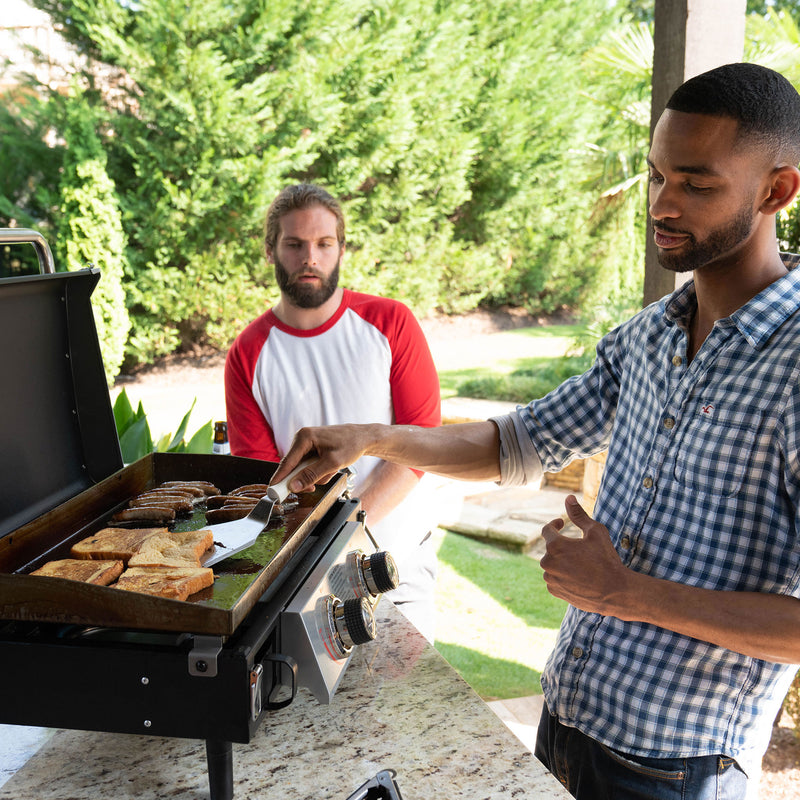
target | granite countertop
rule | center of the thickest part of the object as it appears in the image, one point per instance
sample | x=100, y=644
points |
x=400, y=706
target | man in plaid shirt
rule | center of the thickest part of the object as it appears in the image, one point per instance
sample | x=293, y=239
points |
x=684, y=620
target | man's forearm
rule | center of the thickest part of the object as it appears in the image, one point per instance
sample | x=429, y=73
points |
x=467, y=451
x=756, y=624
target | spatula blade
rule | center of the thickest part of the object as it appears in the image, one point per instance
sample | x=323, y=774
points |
x=233, y=537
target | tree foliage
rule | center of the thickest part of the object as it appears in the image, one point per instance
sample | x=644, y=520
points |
x=484, y=152
x=773, y=39
x=622, y=67
x=89, y=230
x=453, y=132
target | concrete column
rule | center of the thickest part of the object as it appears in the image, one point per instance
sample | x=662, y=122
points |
x=691, y=36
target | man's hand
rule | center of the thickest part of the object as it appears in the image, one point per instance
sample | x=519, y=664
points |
x=588, y=573
x=328, y=449
x=585, y=571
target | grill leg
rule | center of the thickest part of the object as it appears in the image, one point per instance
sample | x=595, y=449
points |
x=219, y=756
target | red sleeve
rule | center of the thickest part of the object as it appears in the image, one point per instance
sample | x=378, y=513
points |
x=416, y=396
x=248, y=432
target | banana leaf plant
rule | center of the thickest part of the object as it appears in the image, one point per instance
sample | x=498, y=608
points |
x=136, y=441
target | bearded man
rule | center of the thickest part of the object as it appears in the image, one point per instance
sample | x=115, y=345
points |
x=325, y=354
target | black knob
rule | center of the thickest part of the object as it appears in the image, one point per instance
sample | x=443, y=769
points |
x=359, y=622
x=380, y=572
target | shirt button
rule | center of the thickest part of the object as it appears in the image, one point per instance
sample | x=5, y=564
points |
x=577, y=652
x=625, y=542
x=647, y=483
x=677, y=360
x=669, y=423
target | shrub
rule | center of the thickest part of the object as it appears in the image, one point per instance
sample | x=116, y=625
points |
x=136, y=441
x=441, y=127
x=89, y=230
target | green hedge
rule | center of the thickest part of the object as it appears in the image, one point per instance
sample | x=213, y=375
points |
x=452, y=132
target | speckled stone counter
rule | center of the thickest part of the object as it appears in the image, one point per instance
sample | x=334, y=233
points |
x=400, y=706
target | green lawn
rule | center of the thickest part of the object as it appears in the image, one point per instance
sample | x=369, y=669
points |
x=523, y=364
x=496, y=622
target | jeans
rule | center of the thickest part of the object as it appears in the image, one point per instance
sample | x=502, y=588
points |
x=592, y=771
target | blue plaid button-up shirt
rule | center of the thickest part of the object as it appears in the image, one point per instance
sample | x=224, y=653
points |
x=701, y=486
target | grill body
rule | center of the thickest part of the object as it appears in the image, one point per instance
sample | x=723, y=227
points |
x=97, y=658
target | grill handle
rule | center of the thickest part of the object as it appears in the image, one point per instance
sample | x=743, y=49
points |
x=278, y=661
x=27, y=236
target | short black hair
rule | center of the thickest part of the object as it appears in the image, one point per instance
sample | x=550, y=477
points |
x=762, y=101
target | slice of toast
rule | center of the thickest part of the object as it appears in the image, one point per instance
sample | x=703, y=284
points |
x=101, y=573
x=114, y=543
x=177, y=549
x=176, y=583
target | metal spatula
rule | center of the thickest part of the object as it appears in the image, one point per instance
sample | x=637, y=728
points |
x=232, y=537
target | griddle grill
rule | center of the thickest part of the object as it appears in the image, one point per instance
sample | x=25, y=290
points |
x=96, y=658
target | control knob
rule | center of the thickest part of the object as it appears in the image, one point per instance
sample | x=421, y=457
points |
x=374, y=574
x=351, y=623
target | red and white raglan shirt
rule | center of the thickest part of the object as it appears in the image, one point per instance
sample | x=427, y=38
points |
x=369, y=362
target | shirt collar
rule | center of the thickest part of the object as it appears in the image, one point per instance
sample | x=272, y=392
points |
x=757, y=319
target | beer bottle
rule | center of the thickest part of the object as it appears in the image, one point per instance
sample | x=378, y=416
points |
x=221, y=445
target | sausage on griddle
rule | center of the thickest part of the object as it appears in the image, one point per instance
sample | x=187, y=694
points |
x=226, y=514
x=148, y=513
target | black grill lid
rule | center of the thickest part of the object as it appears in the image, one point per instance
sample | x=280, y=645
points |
x=57, y=432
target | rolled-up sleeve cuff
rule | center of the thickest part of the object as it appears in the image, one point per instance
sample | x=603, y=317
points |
x=518, y=465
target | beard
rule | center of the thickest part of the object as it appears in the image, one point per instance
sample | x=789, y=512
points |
x=694, y=254
x=303, y=295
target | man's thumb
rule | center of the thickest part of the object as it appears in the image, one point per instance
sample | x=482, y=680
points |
x=576, y=512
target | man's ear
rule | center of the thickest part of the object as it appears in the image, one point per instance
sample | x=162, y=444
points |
x=784, y=186
x=270, y=259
